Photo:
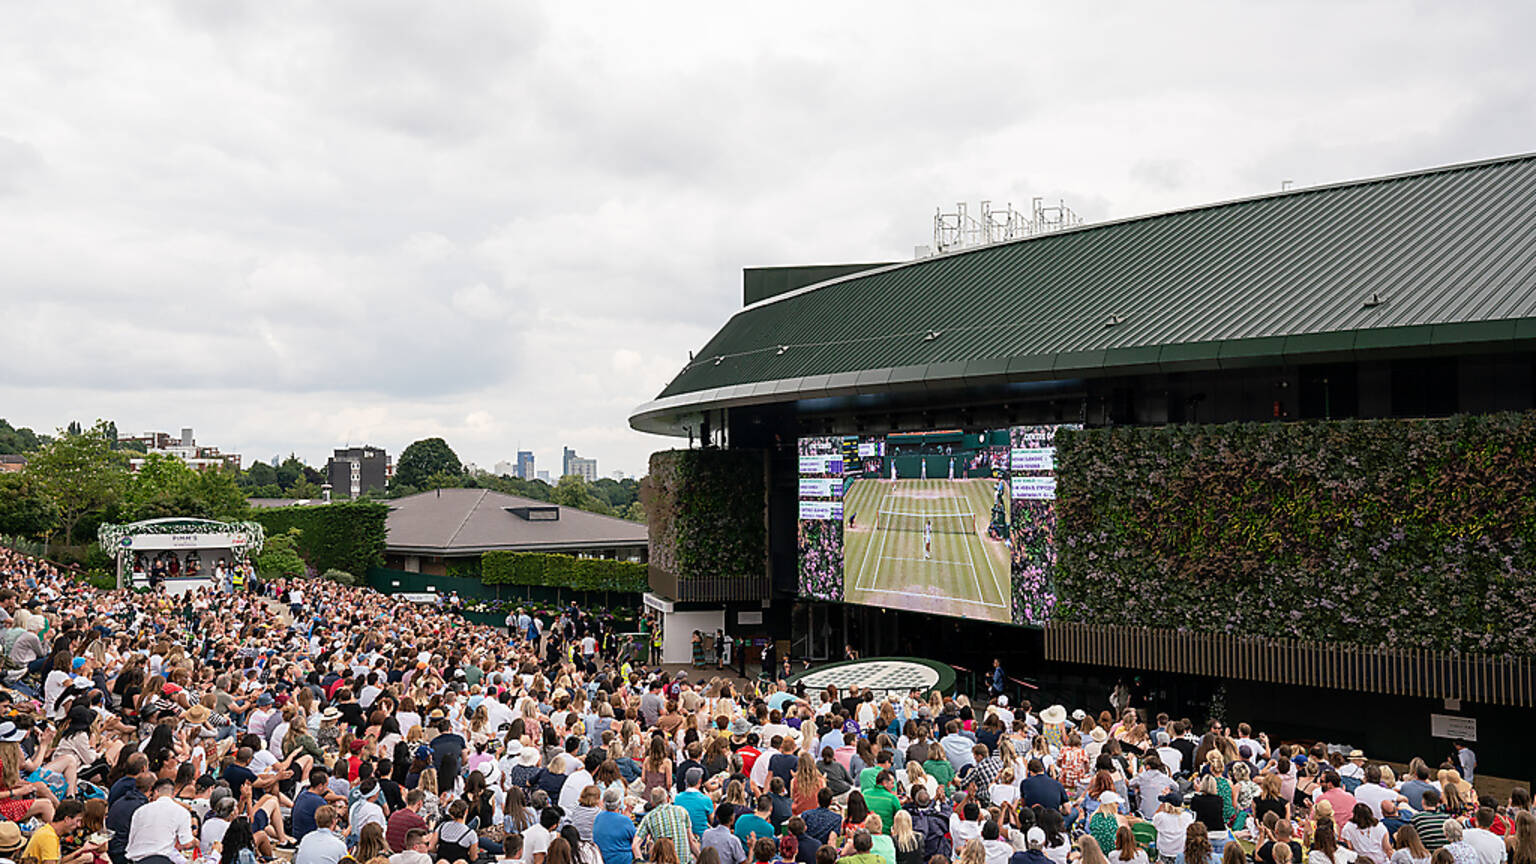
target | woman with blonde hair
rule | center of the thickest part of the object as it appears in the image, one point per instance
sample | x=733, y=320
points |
x=19, y=799
x=1090, y=852
x=432, y=805
x=806, y=783
x=909, y=844
x=1217, y=763
x=976, y=853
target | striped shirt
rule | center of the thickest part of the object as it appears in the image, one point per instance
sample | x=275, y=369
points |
x=672, y=822
x=1431, y=827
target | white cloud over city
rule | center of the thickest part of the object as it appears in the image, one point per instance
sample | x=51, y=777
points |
x=298, y=225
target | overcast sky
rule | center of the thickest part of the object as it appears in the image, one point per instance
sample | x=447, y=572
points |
x=307, y=224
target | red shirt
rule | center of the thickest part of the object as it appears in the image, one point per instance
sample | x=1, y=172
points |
x=400, y=822
x=748, y=755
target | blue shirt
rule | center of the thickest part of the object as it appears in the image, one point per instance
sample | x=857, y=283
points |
x=749, y=824
x=304, y=808
x=699, y=806
x=320, y=847
x=613, y=833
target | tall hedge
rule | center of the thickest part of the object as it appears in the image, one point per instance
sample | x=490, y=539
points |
x=344, y=536
x=706, y=513
x=1380, y=532
x=562, y=571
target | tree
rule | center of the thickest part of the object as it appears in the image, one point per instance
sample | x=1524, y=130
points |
x=24, y=511
x=219, y=495
x=18, y=440
x=635, y=512
x=290, y=472
x=280, y=556
x=78, y=474
x=303, y=489
x=261, y=474
x=572, y=491
x=161, y=487
x=425, y=458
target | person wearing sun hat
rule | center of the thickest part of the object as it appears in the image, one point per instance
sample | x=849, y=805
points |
x=12, y=841
x=1053, y=725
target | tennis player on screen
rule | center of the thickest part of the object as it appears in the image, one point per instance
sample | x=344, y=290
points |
x=927, y=538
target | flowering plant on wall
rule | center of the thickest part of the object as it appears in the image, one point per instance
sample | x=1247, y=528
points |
x=1397, y=533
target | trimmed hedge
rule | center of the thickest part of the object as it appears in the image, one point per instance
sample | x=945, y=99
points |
x=562, y=571
x=705, y=512
x=343, y=536
x=1403, y=533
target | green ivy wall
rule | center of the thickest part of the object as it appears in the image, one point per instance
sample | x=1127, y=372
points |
x=346, y=536
x=705, y=510
x=1377, y=532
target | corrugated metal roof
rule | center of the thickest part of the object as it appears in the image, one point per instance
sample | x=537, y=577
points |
x=1450, y=253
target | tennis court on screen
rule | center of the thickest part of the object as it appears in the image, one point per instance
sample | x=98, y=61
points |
x=956, y=570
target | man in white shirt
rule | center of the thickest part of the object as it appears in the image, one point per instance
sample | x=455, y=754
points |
x=1354, y=768
x=1371, y=793
x=367, y=809
x=1171, y=757
x=162, y=827
x=570, y=793
x=1490, y=846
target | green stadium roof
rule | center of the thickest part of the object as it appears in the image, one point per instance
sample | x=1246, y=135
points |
x=1439, y=259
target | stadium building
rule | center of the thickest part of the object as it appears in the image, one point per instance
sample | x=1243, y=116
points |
x=906, y=419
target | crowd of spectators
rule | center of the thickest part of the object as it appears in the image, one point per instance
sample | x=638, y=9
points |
x=351, y=726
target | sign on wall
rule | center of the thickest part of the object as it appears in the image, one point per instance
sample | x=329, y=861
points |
x=1453, y=726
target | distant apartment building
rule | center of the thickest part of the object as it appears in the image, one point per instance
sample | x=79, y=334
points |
x=184, y=448
x=504, y=469
x=525, y=465
x=12, y=463
x=543, y=476
x=355, y=471
x=586, y=469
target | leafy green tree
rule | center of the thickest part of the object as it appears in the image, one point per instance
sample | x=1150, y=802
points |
x=305, y=489
x=163, y=483
x=261, y=474
x=22, y=440
x=219, y=494
x=270, y=490
x=341, y=577
x=280, y=556
x=572, y=491
x=24, y=511
x=425, y=458
x=78, y=474
x=291, y=471
x=635, y=512
x=74, y=428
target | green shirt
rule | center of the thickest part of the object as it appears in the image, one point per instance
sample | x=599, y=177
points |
x=882, y=801
x=867, y=778
x=940, y=770
x=862, y=858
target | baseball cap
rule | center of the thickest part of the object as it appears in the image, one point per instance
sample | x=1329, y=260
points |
x=1035, y=836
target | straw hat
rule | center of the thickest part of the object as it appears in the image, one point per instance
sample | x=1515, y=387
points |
x=11, y=840
x=1054, y=715
x=197, y=715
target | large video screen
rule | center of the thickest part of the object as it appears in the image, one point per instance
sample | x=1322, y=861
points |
x=949, y=522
